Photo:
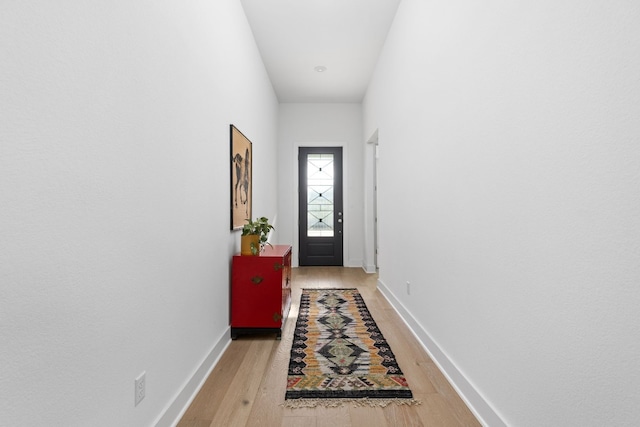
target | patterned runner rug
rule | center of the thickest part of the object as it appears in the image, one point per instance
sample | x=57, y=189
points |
x=339, y=355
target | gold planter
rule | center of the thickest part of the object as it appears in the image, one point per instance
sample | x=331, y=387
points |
x=246, y=242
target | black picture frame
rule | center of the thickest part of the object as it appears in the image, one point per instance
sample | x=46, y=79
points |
x=241, y=178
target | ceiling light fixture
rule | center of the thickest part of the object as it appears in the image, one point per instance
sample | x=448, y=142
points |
x=320, y=68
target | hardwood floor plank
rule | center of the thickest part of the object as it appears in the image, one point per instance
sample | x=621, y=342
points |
x=267, y=409
x=298, y=422
x=247, y=386
x=333, y=417
x=402, y=416
x=368, y=417
x=195, y=423
x=435, y=411
x=242, y=391
x=208, y=400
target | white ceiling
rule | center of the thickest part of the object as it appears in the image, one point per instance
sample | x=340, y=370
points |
x=345, y=36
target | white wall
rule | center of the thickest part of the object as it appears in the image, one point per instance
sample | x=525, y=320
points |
x=114, y=187
x=509, y=198
x=322, y=125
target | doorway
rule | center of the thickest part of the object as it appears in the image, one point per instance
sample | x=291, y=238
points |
x=320, y=210
x=370, y=222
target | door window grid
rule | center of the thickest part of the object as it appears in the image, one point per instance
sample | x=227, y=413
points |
x=320, y=200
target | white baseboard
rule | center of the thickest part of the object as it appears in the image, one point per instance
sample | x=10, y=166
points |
x=369, y=268
x=183, y=399
x=353, y=263
x=474, y=400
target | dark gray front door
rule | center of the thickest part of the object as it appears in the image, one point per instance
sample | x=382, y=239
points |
x=320, y=210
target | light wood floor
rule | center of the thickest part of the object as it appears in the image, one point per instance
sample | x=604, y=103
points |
x=247, y=385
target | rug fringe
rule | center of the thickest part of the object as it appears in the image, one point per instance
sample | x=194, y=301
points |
x=335, y=403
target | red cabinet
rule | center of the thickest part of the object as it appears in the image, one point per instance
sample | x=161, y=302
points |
x=261, y=291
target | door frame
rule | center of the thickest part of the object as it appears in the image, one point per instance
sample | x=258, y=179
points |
x=345, y=199
x=371, y=262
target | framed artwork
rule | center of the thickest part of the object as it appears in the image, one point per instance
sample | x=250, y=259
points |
x=241, y=158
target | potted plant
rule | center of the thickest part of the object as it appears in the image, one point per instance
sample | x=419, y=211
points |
x=254, y=236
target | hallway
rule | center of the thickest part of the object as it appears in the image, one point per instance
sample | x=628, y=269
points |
x=493, y=150
x=246, y=387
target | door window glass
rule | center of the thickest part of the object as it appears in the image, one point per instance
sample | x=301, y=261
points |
x=320, y=201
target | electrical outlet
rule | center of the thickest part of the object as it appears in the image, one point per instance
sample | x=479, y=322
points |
x=141, y=385
x=408, y=288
